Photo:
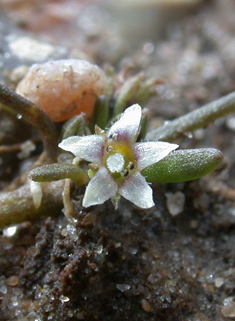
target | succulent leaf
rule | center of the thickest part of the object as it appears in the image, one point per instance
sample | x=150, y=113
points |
x=183, y=165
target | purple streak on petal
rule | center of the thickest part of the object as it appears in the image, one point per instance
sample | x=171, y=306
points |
x=100, y=188
x=88, y=147
x=136, y=189
x=148, y=153
x=127, y=127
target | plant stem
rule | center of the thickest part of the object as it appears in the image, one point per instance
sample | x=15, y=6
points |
x=196, y=119
x=17, y=206
x=35, y=116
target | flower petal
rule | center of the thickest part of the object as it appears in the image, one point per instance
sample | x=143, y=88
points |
x=148, y=153
x=88, y=147
x=100, y=188
x=127, y=127
x=136, y=189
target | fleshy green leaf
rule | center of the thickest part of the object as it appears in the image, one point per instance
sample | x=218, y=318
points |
x=198, y=118
x=55, y=172
x=183, y=165
x=146, y=90
x=128, y=90
x=101, y=112
x=74, y=126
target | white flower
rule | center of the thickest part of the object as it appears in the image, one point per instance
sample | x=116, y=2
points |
x=118, y=161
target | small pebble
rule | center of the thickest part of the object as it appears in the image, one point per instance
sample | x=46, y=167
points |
x=200, y=317
x=64, y=299
x=228, y=310
x=175, y=202
x=10, y=231
x=219, y=282
x=63, y=88
x=194, y=224
x=123, y=287
x=3, y=289
x=26, y=148
x=145, y=305
x=12, y=280
x=230, y=122
x=33, y=49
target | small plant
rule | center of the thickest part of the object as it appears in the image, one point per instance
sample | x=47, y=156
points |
x=122, y=159
x=117, y=161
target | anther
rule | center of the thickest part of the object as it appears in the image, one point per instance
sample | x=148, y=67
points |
x=131, y=166
x=113, y=136
x=125, y=172
x=109, y=149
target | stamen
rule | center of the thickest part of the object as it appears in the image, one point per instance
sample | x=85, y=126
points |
x=113, y=136
x=125, y=172
x=109, y=149
x=115, y=163
x=131, y=166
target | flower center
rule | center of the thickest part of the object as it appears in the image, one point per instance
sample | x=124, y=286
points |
x=119, y=158
x=115, y=163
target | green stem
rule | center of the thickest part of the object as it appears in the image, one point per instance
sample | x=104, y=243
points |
x=35, y=116
x=196, y=119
